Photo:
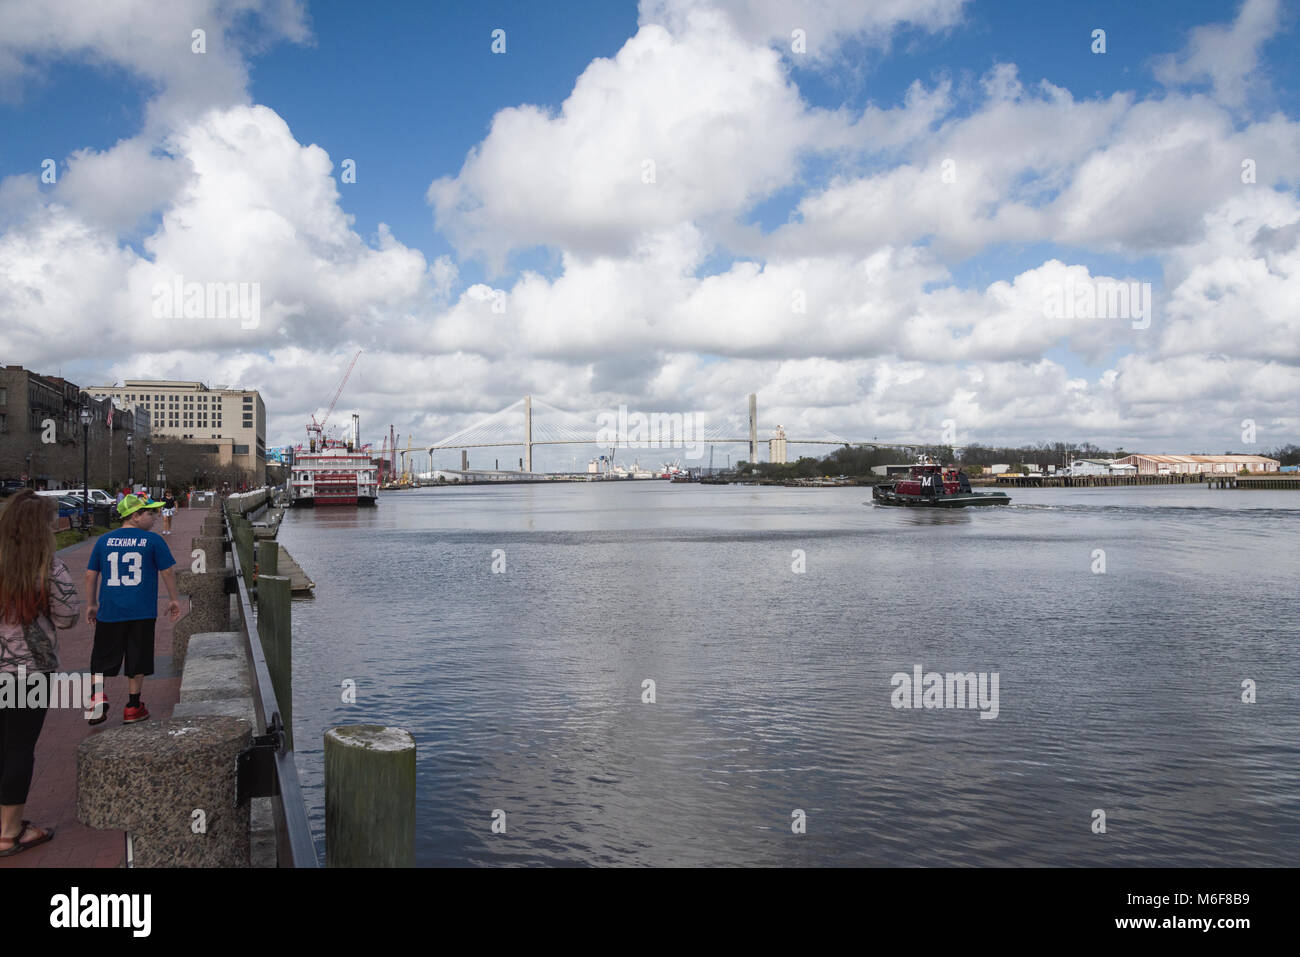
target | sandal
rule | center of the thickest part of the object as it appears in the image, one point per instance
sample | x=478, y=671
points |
x=17, y=845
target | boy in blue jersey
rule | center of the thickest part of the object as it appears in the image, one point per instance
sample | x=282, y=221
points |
x=124, y=606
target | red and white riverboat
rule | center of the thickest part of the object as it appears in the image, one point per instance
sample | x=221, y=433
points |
x=333, y=475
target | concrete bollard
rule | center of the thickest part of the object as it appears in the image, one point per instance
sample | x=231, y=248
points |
x=171, y=785
x=369, y=797
x=209, y=609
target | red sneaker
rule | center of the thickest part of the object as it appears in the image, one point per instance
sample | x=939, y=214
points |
x=131, y=715
x=98, y=712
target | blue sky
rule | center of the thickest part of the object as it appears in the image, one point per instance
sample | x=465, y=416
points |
x=408, y=94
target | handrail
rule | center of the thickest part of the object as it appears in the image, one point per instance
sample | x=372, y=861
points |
x=297, y=828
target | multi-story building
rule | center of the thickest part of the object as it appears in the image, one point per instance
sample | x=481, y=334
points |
x=229, y=423
x=42, y=441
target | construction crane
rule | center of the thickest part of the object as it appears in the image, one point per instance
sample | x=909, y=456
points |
x=319, y=427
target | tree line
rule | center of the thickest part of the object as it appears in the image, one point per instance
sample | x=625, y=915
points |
x=859, y=460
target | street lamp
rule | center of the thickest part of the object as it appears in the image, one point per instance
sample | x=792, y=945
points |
x=162, y=474
x=85, y=462
x=148, y=462
x=30, y=480
x=130, y=461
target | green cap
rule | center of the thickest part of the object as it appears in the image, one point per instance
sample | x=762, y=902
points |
x=133, y=503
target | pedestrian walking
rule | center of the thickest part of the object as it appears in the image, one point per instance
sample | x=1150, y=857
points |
x=37, y=598
x=122, y=582
x=168, y=510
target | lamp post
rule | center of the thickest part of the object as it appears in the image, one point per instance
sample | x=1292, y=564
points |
x=30, y=480
x=148, y=462
x=85, y=462
x=130, y=461
x=162, y=473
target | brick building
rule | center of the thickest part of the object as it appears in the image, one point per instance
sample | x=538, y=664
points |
x=41, y=438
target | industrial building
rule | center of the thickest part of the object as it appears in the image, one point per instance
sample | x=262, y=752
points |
x=1101, y=467
x=776, y=447
x=1193, y=464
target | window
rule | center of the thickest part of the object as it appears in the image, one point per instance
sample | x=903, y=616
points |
x=241, y=450
x=4, y=396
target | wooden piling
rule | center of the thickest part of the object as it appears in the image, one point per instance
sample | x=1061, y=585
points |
x=369, y=797
x=268, y=558
x=275, y=629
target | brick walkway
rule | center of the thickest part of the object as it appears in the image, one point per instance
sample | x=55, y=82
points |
x=53, y=798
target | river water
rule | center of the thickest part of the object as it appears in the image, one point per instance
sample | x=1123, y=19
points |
x=1121, y=625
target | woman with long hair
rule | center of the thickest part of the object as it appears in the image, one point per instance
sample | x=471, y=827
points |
x=37, y=597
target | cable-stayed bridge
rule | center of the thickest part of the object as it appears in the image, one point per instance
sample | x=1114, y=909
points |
x=531, y=422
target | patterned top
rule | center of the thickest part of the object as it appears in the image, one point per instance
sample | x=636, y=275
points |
x=36, y=645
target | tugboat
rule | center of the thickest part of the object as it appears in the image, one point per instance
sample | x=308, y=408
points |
x=930, y=485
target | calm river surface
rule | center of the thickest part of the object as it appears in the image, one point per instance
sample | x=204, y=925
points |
x=1119, y=691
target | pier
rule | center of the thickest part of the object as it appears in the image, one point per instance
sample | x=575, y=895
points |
x=1093, y=481
x=299, y=584
x=1269, y=480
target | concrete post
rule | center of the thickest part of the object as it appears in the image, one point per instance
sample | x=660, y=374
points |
x=171, y=785
x=209, y=608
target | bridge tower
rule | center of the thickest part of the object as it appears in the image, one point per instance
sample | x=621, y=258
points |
x=753, y=428
x=528, y=433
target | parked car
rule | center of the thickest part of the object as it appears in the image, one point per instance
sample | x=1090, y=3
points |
x=9, y=486
x=97, y=496
x=69, y=506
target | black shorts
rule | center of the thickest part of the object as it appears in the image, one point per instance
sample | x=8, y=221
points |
x=115, y=640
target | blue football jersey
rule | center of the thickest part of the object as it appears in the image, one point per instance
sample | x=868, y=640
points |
x=128, y=561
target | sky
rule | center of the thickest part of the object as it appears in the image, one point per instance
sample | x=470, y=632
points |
x=903, y=220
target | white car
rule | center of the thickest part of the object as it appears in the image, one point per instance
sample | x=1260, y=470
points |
x=97, y=495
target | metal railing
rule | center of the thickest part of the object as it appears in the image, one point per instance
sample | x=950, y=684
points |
x=293, y=830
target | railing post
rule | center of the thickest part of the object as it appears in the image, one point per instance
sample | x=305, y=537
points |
x=275, y=629
x=369, y=797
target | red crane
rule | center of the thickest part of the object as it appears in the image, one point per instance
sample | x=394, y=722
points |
x=318, y=427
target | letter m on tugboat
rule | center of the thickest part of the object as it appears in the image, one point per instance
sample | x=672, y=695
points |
x=931, y=485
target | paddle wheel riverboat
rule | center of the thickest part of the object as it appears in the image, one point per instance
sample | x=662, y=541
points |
x=333, y=475
x=930, y=485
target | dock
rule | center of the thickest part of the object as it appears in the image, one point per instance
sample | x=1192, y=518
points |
x=269, y=524
x=1093, y=481
x=299, y=583
x=1268, y=480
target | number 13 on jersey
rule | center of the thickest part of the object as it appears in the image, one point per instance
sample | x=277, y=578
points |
x=134, y=563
